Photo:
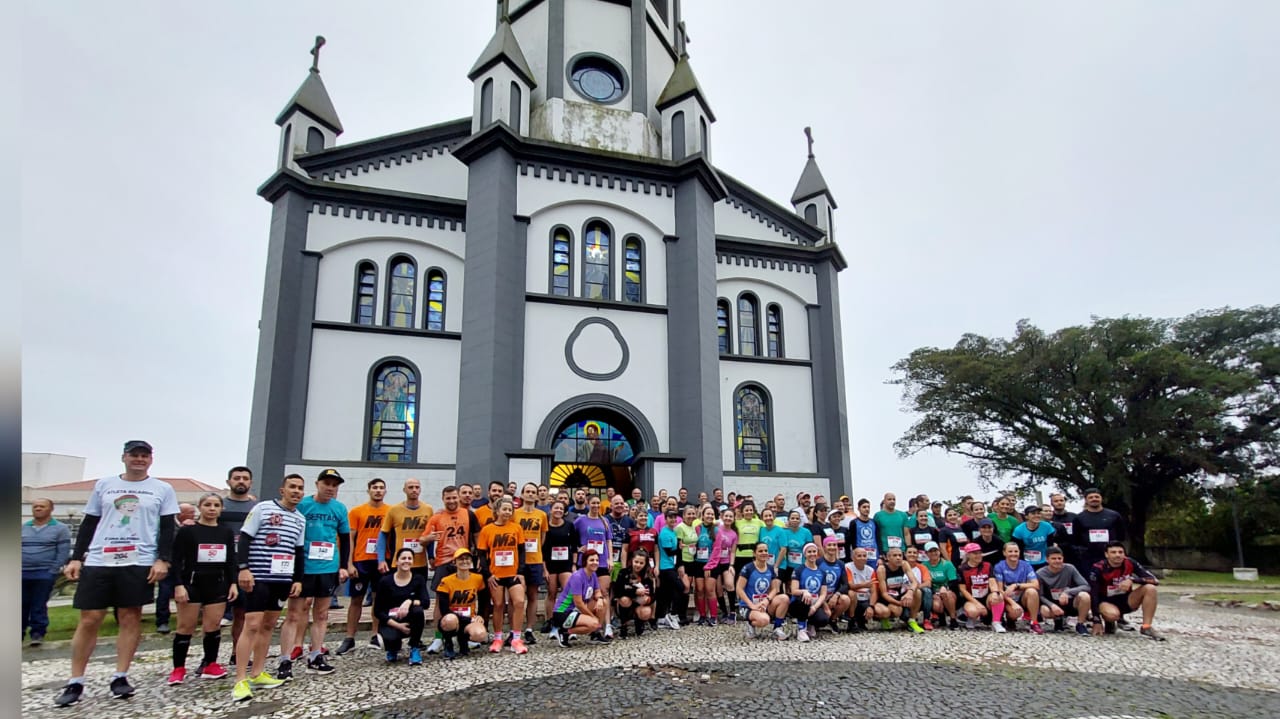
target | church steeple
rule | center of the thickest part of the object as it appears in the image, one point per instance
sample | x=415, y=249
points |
x=812, y=198
x=308, y=122
x=503, y=80
x=684, y=109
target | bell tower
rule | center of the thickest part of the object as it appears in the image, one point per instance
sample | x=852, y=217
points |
x=308, y=122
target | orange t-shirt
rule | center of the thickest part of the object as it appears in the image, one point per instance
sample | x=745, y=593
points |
x=408, y=527
x=366, y=523
x=484, y=515
x=502, y=546
x=461, y=594
x=455, y=532
x=533, y=525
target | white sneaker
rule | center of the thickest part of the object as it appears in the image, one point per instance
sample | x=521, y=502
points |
x=608, y=630
x=673, y=622
x=750, y=631
x=436, y=646
x=803, y=635
x=998, y=627
x=780, y=634
x=662, y=622
x=473, y=645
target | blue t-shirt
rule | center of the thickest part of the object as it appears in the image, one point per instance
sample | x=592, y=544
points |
x=1007, y=575
x=793, y=546
x=758, y=582
x=325, y=521
x=667, y=540
x=810, y=580
x=706, y=538
x=830, y=574
x=772, y=537
x=1034, y=543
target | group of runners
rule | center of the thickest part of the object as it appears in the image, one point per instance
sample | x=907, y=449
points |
x=452, y=580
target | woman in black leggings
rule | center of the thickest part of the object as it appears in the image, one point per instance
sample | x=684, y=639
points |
x=400, y=605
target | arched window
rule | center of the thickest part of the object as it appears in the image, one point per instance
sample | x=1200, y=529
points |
x=393, y=409
x=513, y=113
x=751, y=430
x=596, y=284
x=402, y=292
x=486, y=102
x=811, y=213
x=722, y=326
x=705, y=136
x=561, y=261
x=748, y=324
x=315, y=139
x=773, y=330
x=633, y=270
x=677, y=136
x=366, y=293
x=435, y=299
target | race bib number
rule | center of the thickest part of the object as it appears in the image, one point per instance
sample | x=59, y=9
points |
x=414, y=545
x=703, y=554
x=758, y=597
x=559, y=554
x=724, y=554
x=794, y=558
x=282, y=564
x=321, y=551
x=871, y=554
x=771, y=558
x=864, y=595
x=504, y=558
x=1056, y=594
x=596, y=545
x=615, y=555
x=960, y=537
x=980, y=591
x=461, y=611
x=371, y=546
x=1067, y=526
x=530, y=546
x=120, y=554
x=1114, y=590
x=1033, y=555
x=1099, y=536
x=923, y=537
x=894, y=542
x=211, y=553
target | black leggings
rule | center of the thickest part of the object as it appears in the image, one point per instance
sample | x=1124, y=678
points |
x=392, y=637
x=669, y=591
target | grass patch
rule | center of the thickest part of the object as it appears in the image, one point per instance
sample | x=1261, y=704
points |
x=1218, y=579
x=63, y=621
x=1242, y=597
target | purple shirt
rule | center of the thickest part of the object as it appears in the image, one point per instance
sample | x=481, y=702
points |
x=1014, y=575
x=581, y=583
x=594, y=534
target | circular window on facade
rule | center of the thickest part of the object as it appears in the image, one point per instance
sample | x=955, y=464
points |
x=597, y=79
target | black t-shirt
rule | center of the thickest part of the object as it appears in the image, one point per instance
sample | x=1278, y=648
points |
x=565, y=537
x=1092, y=531
x=391, y=595
x=209, y=552
x=993, y=549
x=921, y=536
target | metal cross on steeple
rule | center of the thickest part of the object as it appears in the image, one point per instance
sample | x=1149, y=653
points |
x=504, y=11
x=315, y=53
x=682, y=40
x=808, y=133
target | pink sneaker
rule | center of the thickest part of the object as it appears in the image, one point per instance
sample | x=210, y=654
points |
x=518, y=647
x=213, y=670
x=177, y=676
x=496, y=646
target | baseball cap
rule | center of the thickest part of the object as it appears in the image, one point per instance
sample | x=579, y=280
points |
x=330, y=474
x=135, y=444
x=1031, y=508
x=833, y=513
x=971, y=547
x=461, y=552
x=986, y=523
x=930, y=546
x=844, y=498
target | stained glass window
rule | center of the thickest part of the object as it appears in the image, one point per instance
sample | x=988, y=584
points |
x=435, y=300
x=632, y=269
x=751, y=430
x=595, y=263
x=592, y=442
x=748, y=329
x=393, y=414
x=722, y=326
x=366, y=293
x=401, y=292
x=561, y=261
x=773, y=330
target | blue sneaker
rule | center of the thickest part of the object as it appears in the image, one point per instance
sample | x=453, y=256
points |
x=391, y=657
x=415, y=657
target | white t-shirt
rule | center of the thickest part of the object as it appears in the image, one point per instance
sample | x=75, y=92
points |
x=129, y=527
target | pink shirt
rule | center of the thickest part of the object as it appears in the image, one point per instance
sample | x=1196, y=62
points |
x=722, y=550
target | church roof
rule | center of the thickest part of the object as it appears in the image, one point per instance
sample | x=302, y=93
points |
x=682, y=84
x=811, y=184
x=313, y=99
x=503, y=48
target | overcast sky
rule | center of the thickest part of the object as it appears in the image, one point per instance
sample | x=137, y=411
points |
x=991, y=162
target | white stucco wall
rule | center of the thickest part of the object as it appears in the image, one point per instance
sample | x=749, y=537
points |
x=732, y=221
x=762, y=488
x=791, y=390
x=335, y=289
x=339, y=391
x=599, y=27
x=531, y=32
x=548, y=380
x=661, y=64
x=795, y=319
x=541, y=194
x=668, y=476
x=326, y=231
x=353, y=492
x=440, y=174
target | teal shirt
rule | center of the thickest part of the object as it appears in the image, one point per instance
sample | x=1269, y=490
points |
x=942, y=573
x=772, y=536
x=890, y=524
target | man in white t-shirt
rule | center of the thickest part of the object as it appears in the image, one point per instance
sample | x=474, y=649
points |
x=122, y=550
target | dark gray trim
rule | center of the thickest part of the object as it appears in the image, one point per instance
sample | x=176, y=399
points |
x=782, y=344
x=387, y=205
x=379, y=465
x=276, y=418
x=622, y=269
x=382, y=329
x=529, y=453
x=520, y=12
x=386, y=309
x=516, y=110
x=831, y=420
x=694, y=368
x=679, y=139
x=551, y=260
x=388, y=149
x=555, y=49
x=426, y=299
x=596, y=304
x=799, y=254
x=582, y=257
x=639, y=55
x=597, y=376
x=780, y=361
x=556, y=418
x=355, y=292
x=491, y=377
x=769, y=212
x=755, y=315
x=770, y=436
x=486, y=102
x=368, y=408
x=623, y=75
x=661, y=457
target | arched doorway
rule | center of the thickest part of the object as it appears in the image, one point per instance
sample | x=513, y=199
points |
x=595, y=449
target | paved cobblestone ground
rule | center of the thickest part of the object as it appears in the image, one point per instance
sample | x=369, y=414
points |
x=1216, y=664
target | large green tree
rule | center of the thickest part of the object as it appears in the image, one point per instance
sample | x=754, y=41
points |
x=1144, y=409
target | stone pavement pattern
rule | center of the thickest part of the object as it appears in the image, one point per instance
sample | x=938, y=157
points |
x=1217, y=663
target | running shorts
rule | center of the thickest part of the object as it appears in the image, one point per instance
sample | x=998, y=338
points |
x=119, y=587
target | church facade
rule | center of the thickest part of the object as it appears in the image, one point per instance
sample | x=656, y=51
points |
x=564, y=288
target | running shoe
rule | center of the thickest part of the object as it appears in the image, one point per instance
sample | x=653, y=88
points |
x=296, y=654
x=518, y=647
x=662, y=623
x=348, y=643
x=730, y=619
x=1082, y=629
x=224, y=622
x=70, y=694
x=546, y=627
x=496, y=645
x=608, y=631
x=928, y=625
x=780, y=634
x=415, y=657
x=449, y=651
x=37, y=640
x=212, y=670
x=530, y=637
x=264, y=681
x=1124, y=625
x=750, y=631
x=1035, y=628
x=998, y=627
x=319, y=666
x=599, y=638
x=563, y=640
x=241, y=691
x=672, y=622
x=953, y=623
x=121, y=688
x=177, y=676
x=914, y=627
x=885, y=624
x=970, y=624
x=392, y=657
x=471, y=645
x=1060, y=624
x=1150, y=633
x=803, y=635
x=436, y=646
x=375, y=641
x=1108, y=627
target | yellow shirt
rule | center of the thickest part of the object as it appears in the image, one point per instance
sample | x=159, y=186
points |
x=408, y=527
x=533, y=523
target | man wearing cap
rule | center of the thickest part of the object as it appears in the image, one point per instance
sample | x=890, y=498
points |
x=327, y=544
x=1033, y=537
x=122, y=549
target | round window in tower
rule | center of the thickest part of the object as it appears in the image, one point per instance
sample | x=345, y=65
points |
x=597, y=78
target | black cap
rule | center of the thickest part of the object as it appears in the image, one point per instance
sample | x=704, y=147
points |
x=330, y=474
x=986, y=523
x=1031, y=508
x=136, y=444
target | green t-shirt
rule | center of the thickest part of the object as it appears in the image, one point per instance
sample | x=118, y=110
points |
x=688, y=537
x=942, y=573
x=890, y=524
x=1004, y=527
x=748, y=535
